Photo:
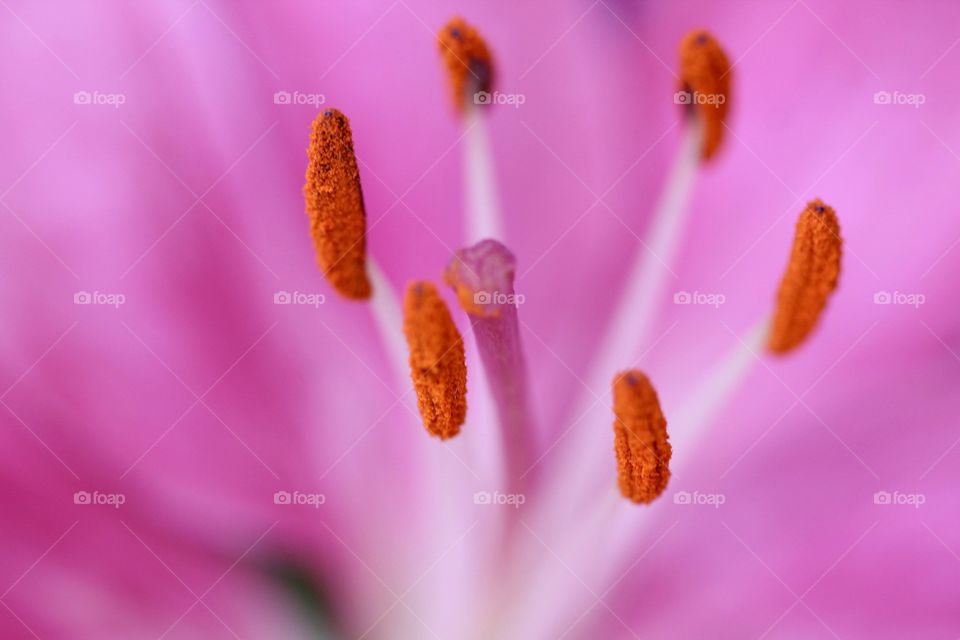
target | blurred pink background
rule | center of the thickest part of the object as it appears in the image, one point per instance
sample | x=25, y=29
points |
x=148, y=166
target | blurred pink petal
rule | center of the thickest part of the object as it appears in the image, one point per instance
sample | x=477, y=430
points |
x=207, y=406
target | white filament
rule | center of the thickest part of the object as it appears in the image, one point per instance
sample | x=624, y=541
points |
x=442, y=465
x=722, y=382
x=483, y=220
x=587, y=456
x=614, y=523
x=388, y=316
x=482, y=204
x=632, y=318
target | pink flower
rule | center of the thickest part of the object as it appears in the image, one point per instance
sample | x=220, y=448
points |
x=202, y=440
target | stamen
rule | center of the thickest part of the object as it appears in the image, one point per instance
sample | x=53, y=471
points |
x=811, y=277
x=334, y=203
x=467, y=60
x=620, y=528
x=437, y=362
x=482, y=277
x=643, y=455
x=633, y=318
x=470, y=68
x=705, y=77
x=641, y=442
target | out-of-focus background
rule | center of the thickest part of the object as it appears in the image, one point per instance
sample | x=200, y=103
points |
x=200, y=439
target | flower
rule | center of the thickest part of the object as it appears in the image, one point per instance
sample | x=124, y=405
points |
x=196, y=427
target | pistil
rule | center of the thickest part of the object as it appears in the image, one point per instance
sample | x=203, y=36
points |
x=482, y=277
x=338, y=226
